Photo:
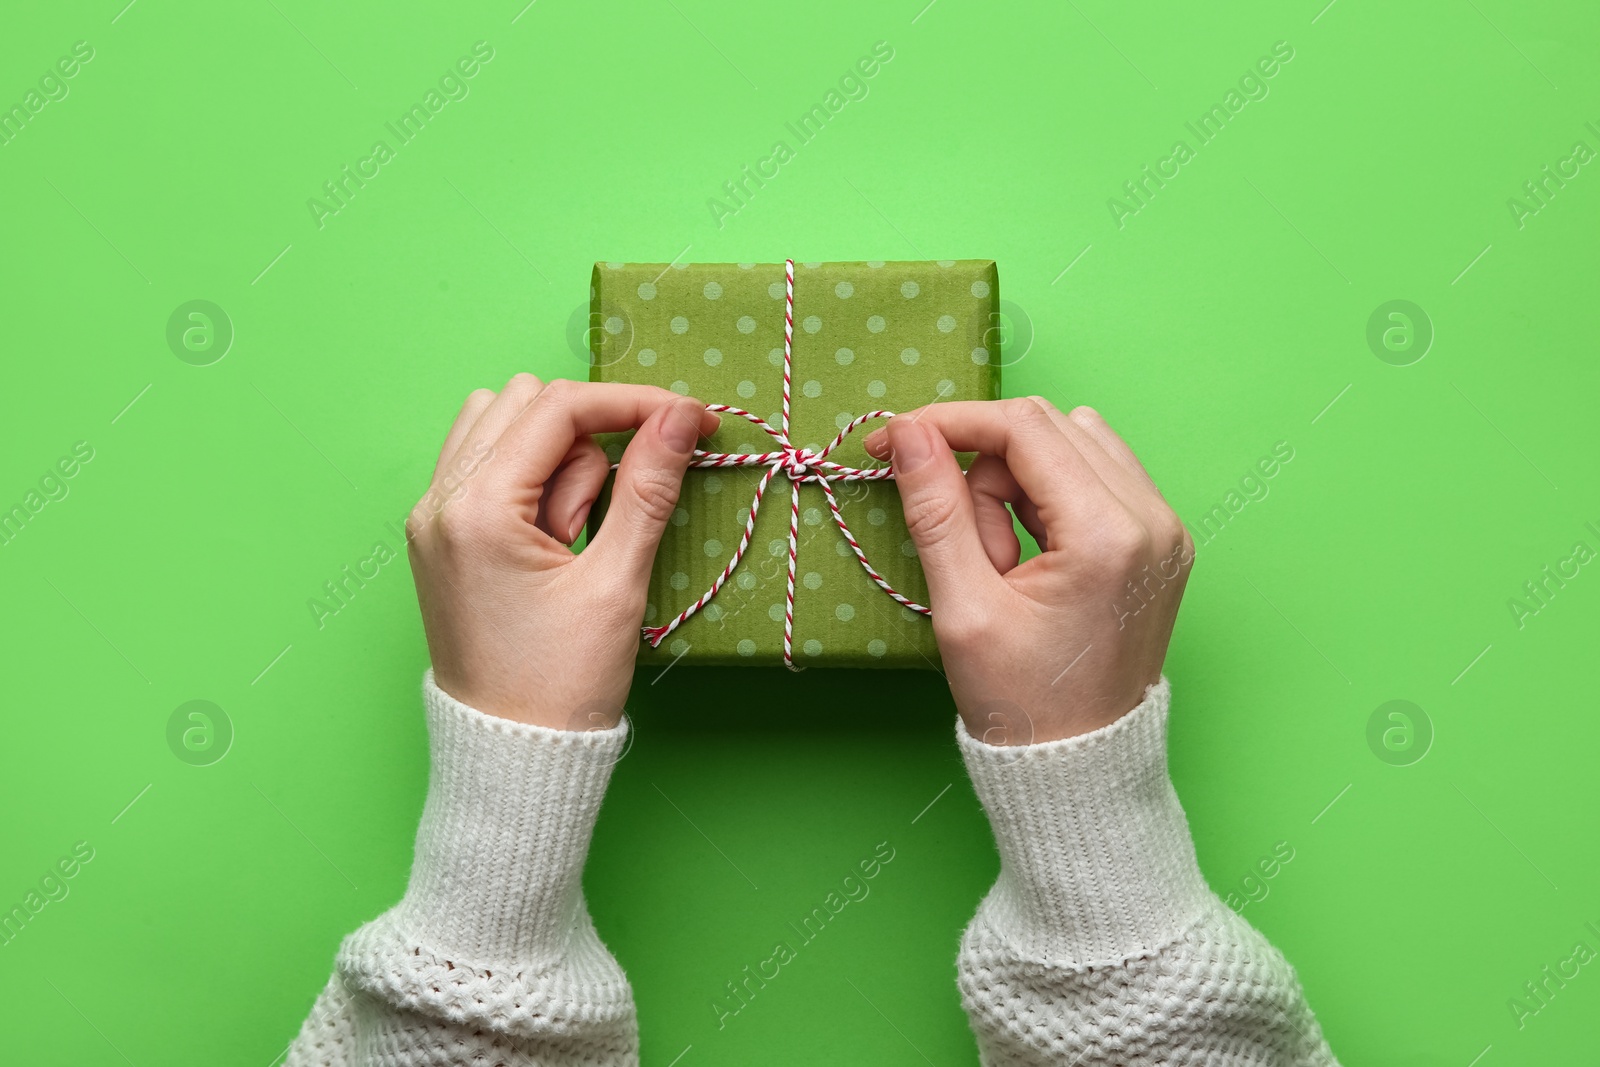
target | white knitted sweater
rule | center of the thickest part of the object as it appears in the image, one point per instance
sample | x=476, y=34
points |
x=1099, y=945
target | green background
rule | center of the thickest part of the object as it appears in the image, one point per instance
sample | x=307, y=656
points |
x=1229, y=314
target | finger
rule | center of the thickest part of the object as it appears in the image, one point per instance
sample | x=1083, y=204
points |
x=1095, y=423
x=1159, y=519
x=519, y=393
x=572, y=490
x=539, y=437
x=649, y=480
x=994, y=478
x=939, y=512
x=1133, y=491
x=476, y=403
x=1134, y=488
x=1061, y=483
x=992, y=487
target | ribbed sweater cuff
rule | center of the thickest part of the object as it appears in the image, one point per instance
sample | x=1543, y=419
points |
x=1097, y=865
x=504, y=833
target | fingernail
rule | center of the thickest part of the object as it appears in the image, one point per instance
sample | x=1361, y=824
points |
x=577, y=523
x=912, y=448
x=874, y=441
x=680, y=427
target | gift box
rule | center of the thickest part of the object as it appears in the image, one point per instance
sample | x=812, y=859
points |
x=865, y=337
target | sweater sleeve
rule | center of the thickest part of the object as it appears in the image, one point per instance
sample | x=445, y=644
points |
x=1101, y=944
x=490, y=957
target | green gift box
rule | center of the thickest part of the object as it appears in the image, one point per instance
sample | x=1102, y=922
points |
x=866, y=337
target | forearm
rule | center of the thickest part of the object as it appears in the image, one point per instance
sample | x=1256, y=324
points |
x=1101, y=943
x=491, y=953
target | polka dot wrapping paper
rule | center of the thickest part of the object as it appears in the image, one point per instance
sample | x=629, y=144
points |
x=867, y=336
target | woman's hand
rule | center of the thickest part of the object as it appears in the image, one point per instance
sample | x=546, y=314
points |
x=518, y=625
x=1067, y=642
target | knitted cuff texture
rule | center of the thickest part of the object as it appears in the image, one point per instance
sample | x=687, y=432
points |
x=1097, y=865
x=505, y=831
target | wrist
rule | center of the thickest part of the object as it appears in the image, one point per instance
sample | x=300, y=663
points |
x=531, y=700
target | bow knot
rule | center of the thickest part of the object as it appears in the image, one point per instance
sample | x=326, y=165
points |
x=796, y=462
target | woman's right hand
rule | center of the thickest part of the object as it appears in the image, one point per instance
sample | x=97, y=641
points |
x=1067, y=642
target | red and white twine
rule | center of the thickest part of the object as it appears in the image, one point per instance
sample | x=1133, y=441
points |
x=801, y=466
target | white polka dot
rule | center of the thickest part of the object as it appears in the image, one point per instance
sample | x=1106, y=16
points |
x=844, y=290
x=776, y=290
x=877, y=516
x=980, y=289
x=712, y=356
x=875, y=263
x=746, y=266
x=650, y=612
x=812, y=580
x=746, y=324
x=775, y=357
x=680, y=266
x=909, y=356
x=678, y=647
x=876, y=388
x=946, y=323
x=945, y=263
x=909, y=615
x=647, y=290
x=811, y=324
x=679, y=324
x=945, y=387
x=842, y=547
x=679, y=580
x=774, y=420
x=746, y=647
x=812, y=647
x=680, y=387
x=775, y=612
x=680, y=516
x=712, y=547
x=746, y=580
x=712, y=290
x=812, y=388
x=746, y=389
x=909, y=289
x=876, y=648
x=843, y=419
x=647, y=357
x=712, y=484
x=812, y=516
x=777, y=546
x=844, y=357
x=876, y=324
x=712, y=612
x=980, y=356
x=844, y=612
x=613, y=266
x=613, y=326
x=908, y=548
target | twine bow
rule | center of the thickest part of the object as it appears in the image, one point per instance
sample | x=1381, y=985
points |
x=800, y=466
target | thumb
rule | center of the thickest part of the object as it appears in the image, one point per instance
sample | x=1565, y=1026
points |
x=939, y=511
x=646, y=490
